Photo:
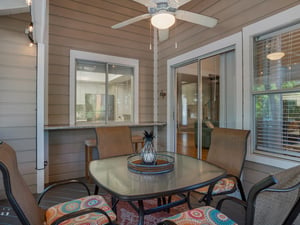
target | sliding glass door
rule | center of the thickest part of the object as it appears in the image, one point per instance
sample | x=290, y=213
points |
x=205, y=98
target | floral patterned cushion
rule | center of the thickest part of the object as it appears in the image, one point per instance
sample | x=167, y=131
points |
x=93, y=201
x=223, y=185
x=201, y=216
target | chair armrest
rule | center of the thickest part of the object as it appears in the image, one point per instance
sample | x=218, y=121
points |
x=293, y=214
x=212, y=185
x=60, y=184
x=240, y=186
x=82, y=212
x=233, y=199
x=294, y=187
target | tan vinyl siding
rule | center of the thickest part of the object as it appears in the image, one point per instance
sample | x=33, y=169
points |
x=18, y=94
x=233, y=15
x=85, y=26
x=66, y=153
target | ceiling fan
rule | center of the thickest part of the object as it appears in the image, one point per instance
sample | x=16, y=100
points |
x=163, y=14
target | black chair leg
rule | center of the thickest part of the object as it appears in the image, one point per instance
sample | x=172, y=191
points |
x=159, y=201
x=96, y=190
x=241, y=189
x=188, y=200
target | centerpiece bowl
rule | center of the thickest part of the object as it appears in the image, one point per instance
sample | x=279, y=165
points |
x=163, y=164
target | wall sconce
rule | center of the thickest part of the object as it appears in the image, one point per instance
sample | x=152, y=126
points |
x=162, y=94
x=29, y=33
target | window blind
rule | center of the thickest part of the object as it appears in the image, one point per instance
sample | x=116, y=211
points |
x=276, y=92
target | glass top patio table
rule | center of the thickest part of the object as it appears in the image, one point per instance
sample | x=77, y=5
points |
x=188, y=174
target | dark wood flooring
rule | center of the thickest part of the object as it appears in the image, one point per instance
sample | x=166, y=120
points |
x=186, y=145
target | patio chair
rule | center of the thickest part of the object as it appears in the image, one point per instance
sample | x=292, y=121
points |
x=92, y=208
x=227, y=150
x=113, y=141
x=273, y=200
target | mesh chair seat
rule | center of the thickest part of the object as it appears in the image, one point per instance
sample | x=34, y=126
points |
x=273, y=200
x=222, y=186
x=57, y=211
x=201, y=216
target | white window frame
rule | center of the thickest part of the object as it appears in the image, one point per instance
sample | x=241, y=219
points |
x=269, y=24
x=74, y=55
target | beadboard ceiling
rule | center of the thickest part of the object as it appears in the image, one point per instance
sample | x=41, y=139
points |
x=8, y=7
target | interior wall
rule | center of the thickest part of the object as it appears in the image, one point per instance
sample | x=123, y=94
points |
x=18, y=94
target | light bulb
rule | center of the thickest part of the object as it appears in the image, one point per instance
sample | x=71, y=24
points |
x=162, y=20
x=29, y=2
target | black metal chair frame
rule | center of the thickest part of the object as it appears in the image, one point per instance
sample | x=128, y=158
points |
x=249, y=205
x=207, y=198
x=18, y=210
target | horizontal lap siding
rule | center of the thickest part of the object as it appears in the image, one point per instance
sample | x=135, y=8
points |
x=66, y=153
x=233, y=15
x=18, y=94
x=86, y=26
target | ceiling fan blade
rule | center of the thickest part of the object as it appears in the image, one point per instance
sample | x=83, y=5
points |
x=163, y=34
x=130, y=21
x=196, y=18
x=178, y=3
x=147, y=3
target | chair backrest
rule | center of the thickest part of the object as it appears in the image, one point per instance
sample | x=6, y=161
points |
x=17, y=191
x=228, y=149
x=273, y=204
x=113, y=141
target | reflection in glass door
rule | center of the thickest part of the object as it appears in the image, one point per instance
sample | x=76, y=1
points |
x=187, y=108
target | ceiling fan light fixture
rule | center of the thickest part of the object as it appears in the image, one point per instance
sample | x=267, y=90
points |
x=275, y=55
x=163, y=20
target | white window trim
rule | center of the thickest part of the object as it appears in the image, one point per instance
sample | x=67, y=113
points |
x=234, y=41
x=279, y=20
x=74, y=54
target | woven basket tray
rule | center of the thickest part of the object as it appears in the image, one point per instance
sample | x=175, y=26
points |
x=164, y=164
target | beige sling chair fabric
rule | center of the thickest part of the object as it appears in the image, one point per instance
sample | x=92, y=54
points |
x=113, y=141
x=227, y=150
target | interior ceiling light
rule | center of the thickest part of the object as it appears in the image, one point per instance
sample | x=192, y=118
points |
x=275, y=55
x=163, y=20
